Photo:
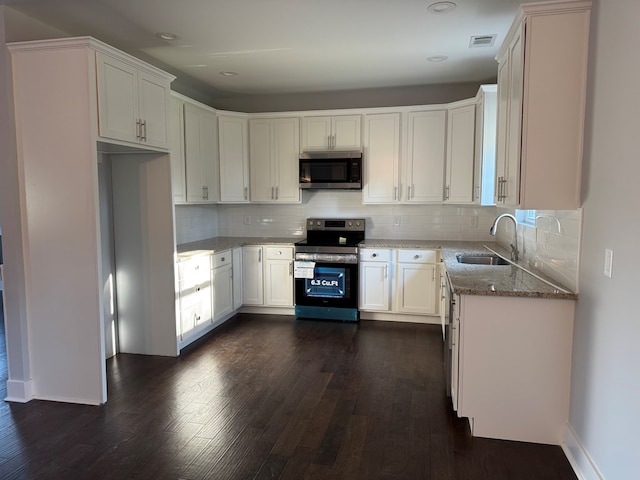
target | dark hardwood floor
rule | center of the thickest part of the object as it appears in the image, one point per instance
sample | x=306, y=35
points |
x=271, y=398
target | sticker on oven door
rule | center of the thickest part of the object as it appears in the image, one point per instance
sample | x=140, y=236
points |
x=303, y=269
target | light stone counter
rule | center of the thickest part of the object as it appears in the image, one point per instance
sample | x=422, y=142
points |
x=218, y=244
x=519, y=280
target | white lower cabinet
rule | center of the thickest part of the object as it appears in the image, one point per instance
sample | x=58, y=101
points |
x=222, y=273
x=237, y=277
x=415, y=281
x=375, y=266
x=399, y=281
x=195, y=291
x=511, y=366
x=267, y=276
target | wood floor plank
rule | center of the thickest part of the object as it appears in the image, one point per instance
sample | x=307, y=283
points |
x=266, y=398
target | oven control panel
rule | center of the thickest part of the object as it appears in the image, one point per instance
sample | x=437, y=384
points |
x=336, y=224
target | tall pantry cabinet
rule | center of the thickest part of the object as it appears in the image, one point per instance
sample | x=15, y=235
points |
x=60, y=97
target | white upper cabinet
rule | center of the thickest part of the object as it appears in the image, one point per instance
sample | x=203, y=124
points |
x=234, y=159
x=541, y=104
x=460, y=154
x=341, y=132
x=133, y=105
x=425, y=156
x=484, y=169
x=381, y=158
x=201, y=154
x=178, y=168
x=274, y=151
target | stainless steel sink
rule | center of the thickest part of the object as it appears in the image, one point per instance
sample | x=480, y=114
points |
x=481, y=259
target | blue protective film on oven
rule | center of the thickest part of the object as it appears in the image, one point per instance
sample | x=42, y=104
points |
x=327, y=282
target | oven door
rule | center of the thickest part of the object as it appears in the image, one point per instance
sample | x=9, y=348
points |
x=332, y=285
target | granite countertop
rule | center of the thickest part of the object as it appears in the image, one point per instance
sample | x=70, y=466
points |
x=519, y=280
x=217, y=244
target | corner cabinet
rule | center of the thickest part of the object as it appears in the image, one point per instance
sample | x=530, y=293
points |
x=340, y=132
x=267, y=276
x=460, y=153
x=233, y=145
x=542, y=72
x=399, y=281
x=274, y=153
x=201, y=155
x=133, y=102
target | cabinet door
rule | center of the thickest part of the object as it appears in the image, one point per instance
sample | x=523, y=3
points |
x=374, y=286
x=455, y=352
x=346, y=132
x=514, y=130
x=279, y=283
x=117, y=99
x=252, y=276
x=416, y=288
x=502, y=123
x=154, y=110
x=234, y=159
x=222, y=291
x=178, y=168
x=316, y=133
x=285, y=161
x=425, y=157
x=200, y=154
x=261, y=154
x=460, y=154
x=237, y=278
x=381, y=153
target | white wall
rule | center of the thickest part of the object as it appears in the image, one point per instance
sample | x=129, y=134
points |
x=605, y=390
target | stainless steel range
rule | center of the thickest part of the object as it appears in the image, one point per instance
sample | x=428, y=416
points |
x=326, y=269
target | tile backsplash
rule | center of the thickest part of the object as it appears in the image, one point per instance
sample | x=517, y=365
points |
x=411, y=222
x=551, y=246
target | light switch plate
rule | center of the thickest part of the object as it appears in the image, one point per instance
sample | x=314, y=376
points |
x=608, y=262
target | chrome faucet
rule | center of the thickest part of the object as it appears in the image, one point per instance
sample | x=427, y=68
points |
x=514, y=246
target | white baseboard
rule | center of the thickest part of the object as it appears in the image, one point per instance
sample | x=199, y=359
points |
x=395, y=317
x=20, y=391
x=580, y=460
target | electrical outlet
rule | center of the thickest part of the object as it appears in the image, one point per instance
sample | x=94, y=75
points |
x=247, y=220
x=396, y=221
x=473, y=221
x=608, y=262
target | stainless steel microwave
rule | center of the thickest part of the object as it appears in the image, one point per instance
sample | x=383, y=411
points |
x=331, y=170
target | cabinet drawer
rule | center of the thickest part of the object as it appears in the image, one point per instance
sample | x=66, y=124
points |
x=279, y=253
x=194, y=294
x=221, y=259
x=375, y=255
x=417, y=256
x=195, y=271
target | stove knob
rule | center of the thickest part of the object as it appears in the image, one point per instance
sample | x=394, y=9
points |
x=357, y=224
x=318, y=223
x=350, y=224
x=311, y=223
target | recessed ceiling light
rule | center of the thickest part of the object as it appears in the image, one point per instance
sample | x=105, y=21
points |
x=441, y=7
x=166, y=35
x=437, y=58
x=229, y=74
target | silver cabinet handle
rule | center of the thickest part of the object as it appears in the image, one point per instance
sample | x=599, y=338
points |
x=277, y=192
x=272, y=193
x=446, y=192
x=143, y=124
x=246, y=192
x=415, y=257
x=290, y=268
x=386, y=271
x=329, y=141
x=259, y=255
x=205, y=193
x=138, y=130
x=395, y=193
x=374, y=255
x=222, y=259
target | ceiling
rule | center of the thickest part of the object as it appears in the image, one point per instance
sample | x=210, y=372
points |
x=293, y=46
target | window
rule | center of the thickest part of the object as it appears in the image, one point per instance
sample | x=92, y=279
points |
x=527, y=217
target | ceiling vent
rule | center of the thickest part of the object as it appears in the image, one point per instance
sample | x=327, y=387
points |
x=482, y=41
